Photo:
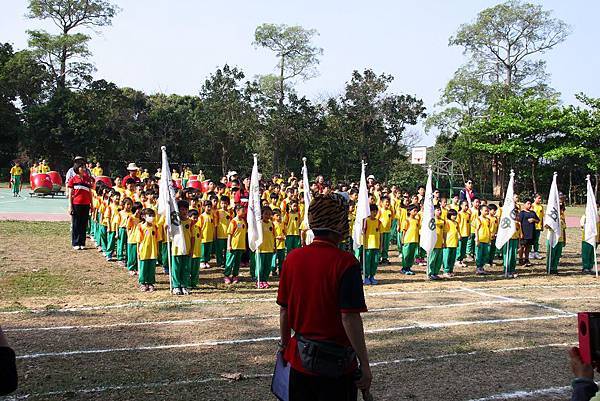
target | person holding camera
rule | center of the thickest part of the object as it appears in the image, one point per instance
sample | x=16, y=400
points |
x=584, y=387
x=321, y=297
x=8, y=367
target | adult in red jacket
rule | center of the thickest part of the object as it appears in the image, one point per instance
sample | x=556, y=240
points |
x=321, y=297
x=80, y=201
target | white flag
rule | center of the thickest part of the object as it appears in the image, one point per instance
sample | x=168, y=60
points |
x=591, y=215
x=428, y=236
x=362, y=210
x=307, y=198
x=552, y=216
x=508, y=220
x=255, y=234
x=167, y=204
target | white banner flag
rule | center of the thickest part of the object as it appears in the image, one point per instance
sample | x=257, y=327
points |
x=167, y=204
x=255, y=234
x=428, y=235
x=591, y=215
x=508, y=220
x=309, y=235
x=552, y=216
x=362, y=210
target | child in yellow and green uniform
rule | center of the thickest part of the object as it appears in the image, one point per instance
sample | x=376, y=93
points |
x=291, y=223
x=194, y=215
x=435, y=258
x=482, y=239
x=471, y=245
x=401, y=216
x=410, y=239
x=163, y=245
x=266, y=250
x=372, y=244
x=510, y=249
x=493, y=232
x=124, y=214
x=16, y=173
x=538, y=209
x=223, y=220
x=464, y=230
x=451, y=239
x=147, y=236
x=236, y=245
x=385, y=216
x=279, y=230
x=132, y=238
x=181, y=253
x=588, y=252
x=207, y=233
x=110, y=221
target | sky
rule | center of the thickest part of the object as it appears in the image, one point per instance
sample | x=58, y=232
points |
x=172, y=46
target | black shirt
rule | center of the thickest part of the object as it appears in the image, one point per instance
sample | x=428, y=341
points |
x=8, y=371
x=526, y=227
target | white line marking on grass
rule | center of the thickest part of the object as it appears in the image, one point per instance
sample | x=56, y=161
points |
x=520, y=394
x=102, y=389
x=213, y=343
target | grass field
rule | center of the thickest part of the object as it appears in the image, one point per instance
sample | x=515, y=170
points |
x=82, y=331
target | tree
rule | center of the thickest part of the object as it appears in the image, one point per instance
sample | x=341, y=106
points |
x=65, y=53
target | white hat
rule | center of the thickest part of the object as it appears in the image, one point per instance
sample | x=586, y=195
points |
x=231, y=173
x=371, y=177
x=132, y=167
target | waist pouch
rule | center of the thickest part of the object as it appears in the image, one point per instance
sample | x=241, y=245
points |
x=325, y=358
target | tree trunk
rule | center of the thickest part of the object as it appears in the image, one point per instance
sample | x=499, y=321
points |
x=533, y=163
x=497, y=177
x=224, y=159
x=596, y=186
x=570, y=187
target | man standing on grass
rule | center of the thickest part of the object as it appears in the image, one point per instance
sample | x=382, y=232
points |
x=321, y=297
x=527, y=220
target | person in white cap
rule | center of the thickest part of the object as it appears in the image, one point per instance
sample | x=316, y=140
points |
x=370, y=180
x=134, y=173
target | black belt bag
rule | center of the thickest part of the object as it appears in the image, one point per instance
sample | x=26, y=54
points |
x=325, y=358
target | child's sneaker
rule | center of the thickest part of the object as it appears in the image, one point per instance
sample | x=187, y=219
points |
x=76, y=248
x=367, y=281
x=185, y=291
x=227, y=280
x=131, y=273
x=259, y=285
x=480, y=271
x=177, y=291
x=235, y=280
x=143, y=287
x=150, y=288
x=266, y=285
x=448, y=275
x=434, y=277
x=409, y=273
x=373, y=281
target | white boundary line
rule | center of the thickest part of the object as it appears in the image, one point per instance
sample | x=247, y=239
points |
x=145, y=304
x=214, y=343
x=102, y=389
x=520, y=394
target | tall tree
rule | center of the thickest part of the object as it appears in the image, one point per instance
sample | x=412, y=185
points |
x=66, y=53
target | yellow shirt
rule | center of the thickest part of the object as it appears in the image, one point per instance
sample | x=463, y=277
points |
x=132, y=232
x=474, y=216
x=175, y=175
x=186, y=174
x=148, y=241
x=372, y=237
x=464, y=224
x=410, y=229
x=115, y=220
x=279, y=235
x=207, y=228
x=186, y=228
x=237, y=231
x=268, y=244
x=401, y=214
x=493, y=226
x=197, y=247
x=16, y=171
x=444, y=213
x=451, y=233
x=223, y=223
x=482, y=227
x=539, y=211
x=439, y=232
x=123, y=218
x=385, y=217
x=43, y=168
x=97, y=171
x=517, y=233
x=144, y=175
x=291, y=223
x=107, y=215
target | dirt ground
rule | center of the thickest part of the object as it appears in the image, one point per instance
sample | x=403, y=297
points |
x=83, y=331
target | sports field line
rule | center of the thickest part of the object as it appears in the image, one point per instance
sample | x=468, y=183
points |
x=214, y=343
x=268, y=375
x=145, y=304
x=244, y=317
x=521, y=394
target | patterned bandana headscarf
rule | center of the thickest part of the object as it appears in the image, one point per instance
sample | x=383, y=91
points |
x=328, y=212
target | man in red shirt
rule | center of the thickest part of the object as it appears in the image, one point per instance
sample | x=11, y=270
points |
x=134, y=172
x=80, y=200
x=321, y=297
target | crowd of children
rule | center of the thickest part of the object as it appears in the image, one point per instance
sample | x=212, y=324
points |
x=127, y=229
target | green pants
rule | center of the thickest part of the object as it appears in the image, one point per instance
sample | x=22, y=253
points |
x=292, y=242
x=262, y=267
x=371, y=261
x=393, y=229
x=482, y=254
x=420, y=253
x=471, y=245
x=399, y=241
x=449, y=259
x=553, y=256
x=16, y=186
x=97, y=228
x=164, y=255
x=462, y=248
x=132, y=262
x=587, y=256
x=194, y=272
x=181, y=271
x=147, y=271
x=111, y=243
x=492, y=251
x=232, y=262
x=122, y=244
x=184, y=182
x=103, y=234
x=536, y=240
x=385, y=246
x=434, y=261
x=509, y=256
x=220, y=250
x=206, y=251
x=277, y=261
x=408, y=255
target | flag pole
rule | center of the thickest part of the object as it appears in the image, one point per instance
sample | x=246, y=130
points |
x=364, y=252
x=256, y=256
x=169, y=261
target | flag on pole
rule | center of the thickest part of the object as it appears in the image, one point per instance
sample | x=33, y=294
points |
x=591, y=215
x=362, y=210
x=255, y=234
x=167, y=204
x=428, y=235
x=508, y=221
x=552, y=216
x=307, y=198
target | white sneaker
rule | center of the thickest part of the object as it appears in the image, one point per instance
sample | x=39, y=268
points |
x=185, y=291
x=177, y=291
x=81, y=247
x=76, y=248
